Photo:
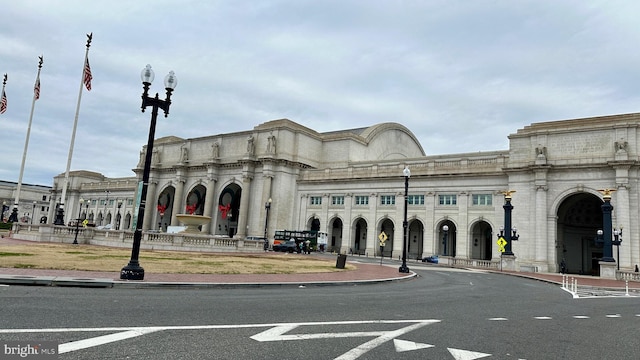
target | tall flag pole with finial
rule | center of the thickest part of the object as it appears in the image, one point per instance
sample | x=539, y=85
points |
x=85, y=82
x=3, y=99
x=36, y=96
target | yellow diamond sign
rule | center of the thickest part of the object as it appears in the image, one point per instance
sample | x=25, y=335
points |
x=501, y=242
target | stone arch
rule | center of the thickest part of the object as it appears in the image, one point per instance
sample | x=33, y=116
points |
x=228, y=209
x=336, y=227
x=415, y=241
x=387, y=225
x=481, y=241
x=195, y=199
x=164, y=207
x=578, y=218
x=359, y=230
x=446, y=244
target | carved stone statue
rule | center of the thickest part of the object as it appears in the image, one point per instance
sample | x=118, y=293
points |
x=621, y=146
x=215, y=150
x=156, y=156
x=184, y=157
x=250, y=145
x=271, y=144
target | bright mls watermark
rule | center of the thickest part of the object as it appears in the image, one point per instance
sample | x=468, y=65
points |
x=10, y=350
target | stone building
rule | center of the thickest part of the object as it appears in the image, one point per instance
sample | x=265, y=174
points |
x=350, y=184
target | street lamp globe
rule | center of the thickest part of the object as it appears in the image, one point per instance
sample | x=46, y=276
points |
x=170, y=81
x=147, y=75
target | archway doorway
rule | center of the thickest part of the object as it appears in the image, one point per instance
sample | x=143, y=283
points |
x=335, y=235
x=165, y=207
x=447, y=244
x=481, y=243
x=195, y=200
x=579, y=218
x=415, y=240
x=228, y=210
x=387, y=226
x=360, y=236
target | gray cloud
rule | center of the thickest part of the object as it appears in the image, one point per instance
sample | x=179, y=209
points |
x=461, y=75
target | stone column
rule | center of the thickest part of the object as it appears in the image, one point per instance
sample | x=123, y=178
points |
x=461, y=236
x=150, y=205
x=622, y=220
x=244, y=207
x=209, y=201
x=266, y=195
x=178, y=202
x=541, y=241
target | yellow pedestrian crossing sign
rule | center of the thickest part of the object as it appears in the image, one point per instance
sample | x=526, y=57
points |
x=501, y=243
x=382, y=237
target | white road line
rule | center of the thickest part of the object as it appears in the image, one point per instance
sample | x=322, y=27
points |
x=278, y=329
x=542, y=317
x=498, y=319
x=581, y=317
x=206, y=327
x=101, y=340
x=366, y=347
x=614, y=315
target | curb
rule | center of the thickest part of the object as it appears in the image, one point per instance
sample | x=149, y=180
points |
x=109, y=283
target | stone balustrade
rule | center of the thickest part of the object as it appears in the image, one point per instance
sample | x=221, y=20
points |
x=124, y=238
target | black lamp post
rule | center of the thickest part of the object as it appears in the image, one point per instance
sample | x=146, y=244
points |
x=445, y=236
x=607, y=227
x=133, y=270
x=33, y=211
x=75, y=239
x=267, y=207
x=617, y=241
x=511, y=233
x=118, y=217
x=403, y=268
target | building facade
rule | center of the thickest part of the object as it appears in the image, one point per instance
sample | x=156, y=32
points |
x=350, y=184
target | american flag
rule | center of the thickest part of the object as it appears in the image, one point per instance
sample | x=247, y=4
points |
x=3, y=103
x=87, y=75
x=36, y=89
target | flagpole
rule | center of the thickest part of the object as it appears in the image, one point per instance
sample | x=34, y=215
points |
x=36, y=95
x=60, y=215
x=3, y=99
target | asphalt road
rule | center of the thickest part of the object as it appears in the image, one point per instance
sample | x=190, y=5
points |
x=442, y=314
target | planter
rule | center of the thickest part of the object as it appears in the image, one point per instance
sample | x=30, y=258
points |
x=192, y=222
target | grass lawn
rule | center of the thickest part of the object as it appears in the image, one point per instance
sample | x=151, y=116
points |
x=97, y=258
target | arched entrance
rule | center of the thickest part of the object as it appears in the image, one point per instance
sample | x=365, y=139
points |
x=360, y=236
x=195, y=200
x=387, y=226
x=335, y=235
x=447, y=244
x=165, y=207
x=415, y=240
x=579, y=218
x=481, y=241
x=228, y=210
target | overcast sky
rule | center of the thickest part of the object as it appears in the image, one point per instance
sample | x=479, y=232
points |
x=461, y=75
